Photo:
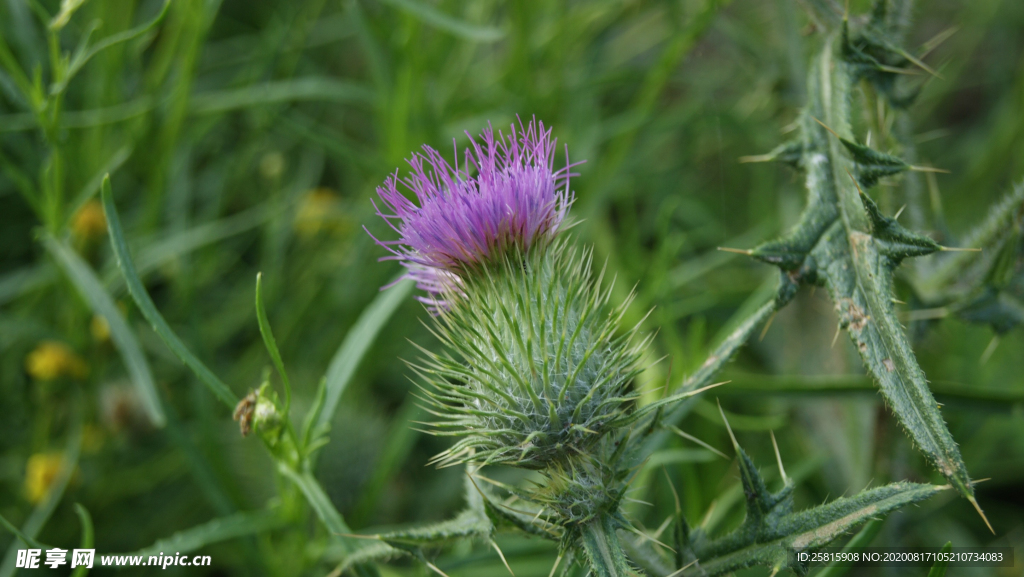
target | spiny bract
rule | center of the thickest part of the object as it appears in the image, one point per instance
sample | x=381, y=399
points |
x=539, y=373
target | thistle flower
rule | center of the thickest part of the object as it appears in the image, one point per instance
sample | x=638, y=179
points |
x=505, y=194
x=537, y=371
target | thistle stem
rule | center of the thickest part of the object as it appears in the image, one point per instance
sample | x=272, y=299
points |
x=604, y=552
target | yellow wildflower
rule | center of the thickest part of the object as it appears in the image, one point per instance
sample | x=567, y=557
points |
x=319, y=211
x=89, y=222
x=51, y=360
x=99, y=328
x=41, y=471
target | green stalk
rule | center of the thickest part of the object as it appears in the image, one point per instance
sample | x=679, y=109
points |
x=604, y=552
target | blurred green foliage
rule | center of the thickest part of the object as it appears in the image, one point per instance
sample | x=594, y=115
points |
x=249, y=136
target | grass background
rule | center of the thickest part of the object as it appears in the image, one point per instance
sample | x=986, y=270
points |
x=249, y=136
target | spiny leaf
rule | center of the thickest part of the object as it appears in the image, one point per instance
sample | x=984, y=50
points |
x=843, y=241
x=871, y=164
x=859, y=278
x=215, y=531
x=893, y=239
x=771, y=534
x=862, y=539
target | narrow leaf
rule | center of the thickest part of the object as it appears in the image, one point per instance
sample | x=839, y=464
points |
x=357, y=342
x=91, y=289
x=149, y=310
x=215, y=531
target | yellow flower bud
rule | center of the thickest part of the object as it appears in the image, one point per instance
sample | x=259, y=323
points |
x=51, y=360
x=89, y=222
x=319, y=211
x=99, y=329
x=40, y=472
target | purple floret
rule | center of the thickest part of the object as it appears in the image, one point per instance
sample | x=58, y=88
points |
x=506, y=194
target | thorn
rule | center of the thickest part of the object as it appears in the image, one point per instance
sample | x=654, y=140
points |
x=735, y=445
x=958, y=249
x=826, y=127
x=982, y=513
x=835, y=337
x=672, y=486
x=632, y=500
x=663, y=526
x=756, y=158
x=736, y=250
x=502, y=555
x=977, y=481
x=855, y=183
x=894, y=70
x=767, y=326
x=778, y=457
x=775, y=571
x=553, y=569
x=689, y=437
x=435, y=569
x=991, y=348
x=899, y=212
x=897, y=301
x=937, y=40
x=633, y=529
x=707, y=516
x=355, y=536
x=916, y=168
x=927, y=314
x=917, y=62
x=679, y=571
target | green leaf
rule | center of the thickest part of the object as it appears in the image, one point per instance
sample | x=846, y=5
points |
x=296, y=89
x=84, y=53
x=442, y=21
x=357, y=342
x=87, y=537
x=215, y=531
x=843, y=241
x=271, y=344
x=939, y=568
x=468, y=523
x=328, y=514
x=859, y=541
x=149, y=310
x=772, y=534
x=871, y=164
x=91, y=289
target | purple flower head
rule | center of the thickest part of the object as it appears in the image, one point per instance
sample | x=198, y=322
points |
x=505, y=194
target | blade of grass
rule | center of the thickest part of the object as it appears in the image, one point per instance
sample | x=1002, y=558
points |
x=87, y=537
x=282, y=91
x=149, y=310
x=434, y=17
x=91, y=289
x=271, y=343
x=357, y=342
